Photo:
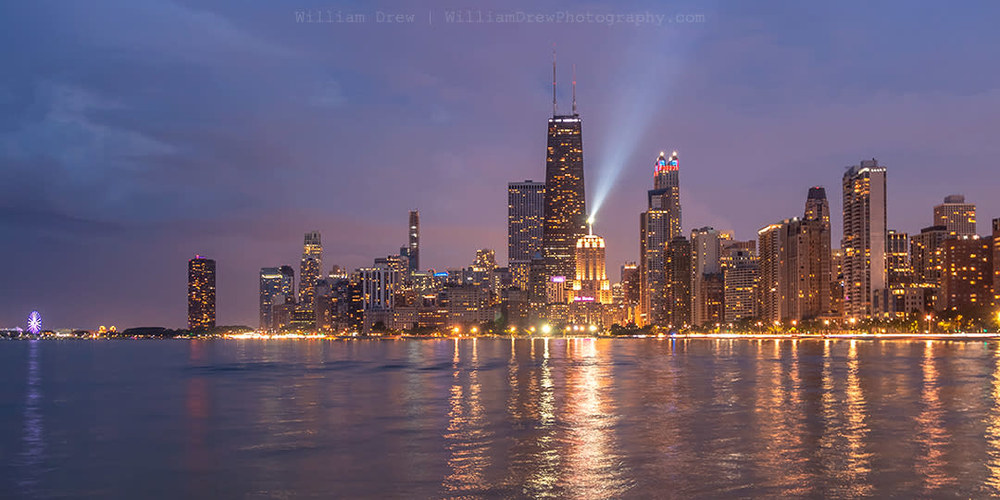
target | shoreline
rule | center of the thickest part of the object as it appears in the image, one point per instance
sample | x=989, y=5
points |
x=686, y=336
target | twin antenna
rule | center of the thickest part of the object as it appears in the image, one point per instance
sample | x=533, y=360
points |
x=554, y=108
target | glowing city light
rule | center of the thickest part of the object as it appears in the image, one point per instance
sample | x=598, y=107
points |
x=34, y=323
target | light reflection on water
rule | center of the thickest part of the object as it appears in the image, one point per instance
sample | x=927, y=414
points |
x=584, y=418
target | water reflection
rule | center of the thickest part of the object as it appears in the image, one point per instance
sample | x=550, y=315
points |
x=993, y=426
x=932, y=432
x=593, y=467
x=510, y=418
x=467, y=436
x=33, y=437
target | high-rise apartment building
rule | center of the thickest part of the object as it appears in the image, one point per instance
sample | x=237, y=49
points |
x=864, y=243
x=678, y=266
x=741, y=276
x=957, y=216
x=967, y=275
x=525, y=223
x=925, y=255
x=814, y=274
x=201, y=293
x=996, y=262
x=706, y=245
x=900, y=268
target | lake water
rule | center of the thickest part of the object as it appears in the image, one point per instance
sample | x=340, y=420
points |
x=499, y=418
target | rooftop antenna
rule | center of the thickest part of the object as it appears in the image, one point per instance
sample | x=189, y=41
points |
x=553, y=79
x=574, y=89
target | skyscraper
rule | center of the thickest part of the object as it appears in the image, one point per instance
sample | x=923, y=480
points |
x=525, y=217
x=864, y=242
x=707, y=285
x=967, y=277
x=310, y=270
x=741, y=276
x=277, y=285
x=814, y=272
x=678, y=266
x=630, y=289
x=898, y=263
x=769, y=245
x=565, y=199
x=996, y=262
x=957, y=216
x=591, y=283
x=413, y=247
x=659, y=224
x=925, y=255
x=201, y=293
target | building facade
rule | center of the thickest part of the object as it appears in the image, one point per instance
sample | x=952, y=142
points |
x=967, y=277
x=201, y=293
x=310, y=270
x=864, y=243
x=277, y=286
x=565, y=219
x=525, y=227
x=658, y=225
x=957, y=216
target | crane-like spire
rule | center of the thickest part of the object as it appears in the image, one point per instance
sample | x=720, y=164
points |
x=574, y=89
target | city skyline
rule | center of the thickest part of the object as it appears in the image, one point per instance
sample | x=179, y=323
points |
x=77, y=217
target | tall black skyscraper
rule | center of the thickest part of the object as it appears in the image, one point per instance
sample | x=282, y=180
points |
x=565, y=199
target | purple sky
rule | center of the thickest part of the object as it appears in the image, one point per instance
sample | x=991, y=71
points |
x=135, y=134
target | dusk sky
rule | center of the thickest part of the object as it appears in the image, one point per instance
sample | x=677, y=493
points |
x=136, y=134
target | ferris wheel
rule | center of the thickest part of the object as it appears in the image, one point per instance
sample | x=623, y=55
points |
x=34, y=323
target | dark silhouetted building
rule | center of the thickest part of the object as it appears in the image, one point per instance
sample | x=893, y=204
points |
x=413, y=247
x=678, y=265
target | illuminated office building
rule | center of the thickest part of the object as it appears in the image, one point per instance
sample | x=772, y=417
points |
x=864, y=243
x=201, y=293
x=591, y=283
x=658, y=225
x=957, y=216
x=565, y=215
x=277, y=285
x=310, y=270
x=525, y=217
